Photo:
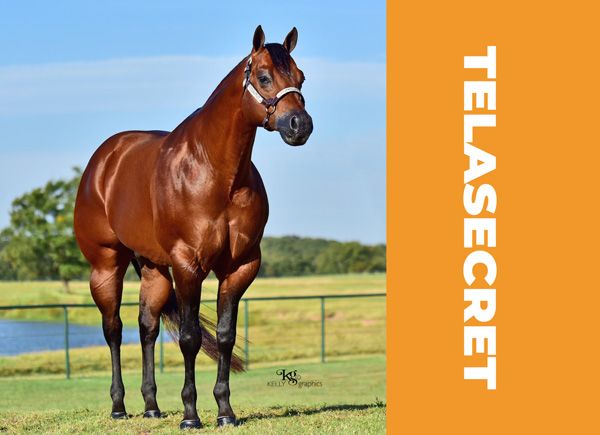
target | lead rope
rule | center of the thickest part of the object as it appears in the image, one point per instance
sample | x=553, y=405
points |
x=269, y=103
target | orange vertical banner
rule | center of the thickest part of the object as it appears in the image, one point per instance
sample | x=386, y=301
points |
x=493, y=222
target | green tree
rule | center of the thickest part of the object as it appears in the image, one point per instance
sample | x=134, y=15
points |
x=6, y=270
x=40, y=244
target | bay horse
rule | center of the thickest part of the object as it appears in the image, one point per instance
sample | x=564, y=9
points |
x=190, y=201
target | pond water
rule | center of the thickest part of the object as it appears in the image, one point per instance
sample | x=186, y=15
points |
x=18, y=337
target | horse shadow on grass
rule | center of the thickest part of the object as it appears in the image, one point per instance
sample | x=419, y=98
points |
x=296, y=411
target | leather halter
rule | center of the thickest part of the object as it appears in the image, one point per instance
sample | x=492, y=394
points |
x=269, y=103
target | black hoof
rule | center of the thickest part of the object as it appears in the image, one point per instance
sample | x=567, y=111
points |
x=155, y=413
x=226, y=421
x=118, y=415
x=190, y=424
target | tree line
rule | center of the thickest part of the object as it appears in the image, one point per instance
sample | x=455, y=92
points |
x=293, y=256
x=39, y=243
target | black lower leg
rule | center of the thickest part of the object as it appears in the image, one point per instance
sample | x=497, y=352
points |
x=149, y=328
x=190, y=341
x=226, y=328
x=112, y=327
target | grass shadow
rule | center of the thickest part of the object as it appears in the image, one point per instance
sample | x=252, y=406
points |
x=292, y=411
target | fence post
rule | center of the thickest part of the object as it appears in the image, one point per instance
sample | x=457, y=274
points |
x=322, y=329
x=246, y=345
x=161, y=346
x=67, y=360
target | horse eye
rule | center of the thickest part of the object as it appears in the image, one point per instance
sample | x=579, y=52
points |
x=264, y=80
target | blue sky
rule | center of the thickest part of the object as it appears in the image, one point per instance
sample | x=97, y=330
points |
x=72, y=73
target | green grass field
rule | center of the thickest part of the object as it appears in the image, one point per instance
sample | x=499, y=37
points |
x=350, y=400
x=35, y=397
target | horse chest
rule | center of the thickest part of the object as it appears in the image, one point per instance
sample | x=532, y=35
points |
x=233, y=230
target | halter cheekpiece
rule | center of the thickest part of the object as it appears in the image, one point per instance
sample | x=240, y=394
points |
x=269, y=103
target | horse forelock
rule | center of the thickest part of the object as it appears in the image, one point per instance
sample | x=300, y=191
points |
x=280, y=57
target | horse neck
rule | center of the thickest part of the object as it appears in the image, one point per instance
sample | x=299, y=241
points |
x=223, y=137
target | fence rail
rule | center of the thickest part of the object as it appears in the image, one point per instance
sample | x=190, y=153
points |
x=246, y=302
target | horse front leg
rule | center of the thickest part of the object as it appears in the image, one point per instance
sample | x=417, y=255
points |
x=232, y=285
x=188, y=284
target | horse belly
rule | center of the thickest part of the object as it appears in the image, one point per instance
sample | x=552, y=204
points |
x=134, y=226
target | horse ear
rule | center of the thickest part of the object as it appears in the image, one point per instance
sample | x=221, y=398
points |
x=290, y=40
x=259, y=39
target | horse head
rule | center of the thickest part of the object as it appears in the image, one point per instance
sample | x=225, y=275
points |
x=272, y=89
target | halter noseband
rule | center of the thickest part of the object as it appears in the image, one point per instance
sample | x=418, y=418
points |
x=269, y=103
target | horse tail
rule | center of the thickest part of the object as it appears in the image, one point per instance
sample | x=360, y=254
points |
x=170, y=316
x=136, y=265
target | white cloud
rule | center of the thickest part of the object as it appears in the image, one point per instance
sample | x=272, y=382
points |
x=163, y=82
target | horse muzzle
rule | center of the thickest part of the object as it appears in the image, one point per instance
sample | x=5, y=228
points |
x=295, y=127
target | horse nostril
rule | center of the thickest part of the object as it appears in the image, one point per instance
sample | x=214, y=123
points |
x=294, y=123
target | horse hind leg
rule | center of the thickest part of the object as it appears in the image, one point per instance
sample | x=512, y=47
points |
x=106, y=284
x=155, y=291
